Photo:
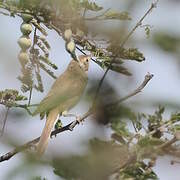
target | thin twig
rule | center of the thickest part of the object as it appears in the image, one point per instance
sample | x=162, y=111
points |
x=4, y=121
x=147, y=78
x=59, y=32
x=100, y=85
x=139, y=23
x=30, y=95
x=70, y=126
x=15, y=105
x=30, y=144
x=84, y=12
x=153, y=5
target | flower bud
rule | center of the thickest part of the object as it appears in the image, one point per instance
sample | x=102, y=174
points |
x=24, y=42
x=26, y=28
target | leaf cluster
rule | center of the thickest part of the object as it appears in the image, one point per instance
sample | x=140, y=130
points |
x=10, y=96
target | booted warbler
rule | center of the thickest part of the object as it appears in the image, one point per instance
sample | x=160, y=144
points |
x=63, y=95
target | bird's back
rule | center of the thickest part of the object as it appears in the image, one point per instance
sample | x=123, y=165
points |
x=66, y=90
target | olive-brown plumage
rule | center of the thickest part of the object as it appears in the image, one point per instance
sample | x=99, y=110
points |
x=63, y=95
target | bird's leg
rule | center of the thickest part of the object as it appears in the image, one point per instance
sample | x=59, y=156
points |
x=66, y=114
x=78, y=119
x=57, y=125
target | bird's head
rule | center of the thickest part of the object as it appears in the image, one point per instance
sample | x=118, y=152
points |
x=84, y=62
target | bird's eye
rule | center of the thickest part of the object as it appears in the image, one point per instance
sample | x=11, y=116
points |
x=87, y=60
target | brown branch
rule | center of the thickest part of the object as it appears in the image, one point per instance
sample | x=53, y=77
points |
x=71, y=125
x=153, y=5
x=147, y=78
x=169, y=148
x=33, y=51
x=30, y=144
x=139, y=23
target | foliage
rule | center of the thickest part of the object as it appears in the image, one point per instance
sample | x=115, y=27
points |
x=56, y=16
x=134, y=136
x=10, y=96
x=94, y=164
x=167, y=42
x=139, y=171
x=122, y=157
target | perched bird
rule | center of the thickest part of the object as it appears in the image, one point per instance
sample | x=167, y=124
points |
x=63, y=95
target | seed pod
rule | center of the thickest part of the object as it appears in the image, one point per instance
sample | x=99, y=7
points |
x=26, y=29
x=70, y=46
x=23, y=58
x=24, y=42
x=67, y=34
x=26, y=17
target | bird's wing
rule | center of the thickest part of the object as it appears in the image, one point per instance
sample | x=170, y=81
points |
x=64, y=88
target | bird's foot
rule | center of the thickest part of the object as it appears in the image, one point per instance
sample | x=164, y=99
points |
x=79, y=120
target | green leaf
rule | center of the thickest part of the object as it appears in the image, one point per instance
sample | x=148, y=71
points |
x=112, y=14
x=11, y=95
x=91, y=6
x=147, y=30
x=47, y=70
x=133, y=54
x=147, y=141
x=129, y=54
x=120, y=69
x=167, y=42
x=175, y=128
x=146, y=147
x=138, y=171
x=136, y=120
x=58, y=124
x=21, y=98
x=98, y=163
x=39, y=87
x=48, y=62
x=120, y=128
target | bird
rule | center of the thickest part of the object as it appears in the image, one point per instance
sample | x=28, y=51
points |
x=64, y=94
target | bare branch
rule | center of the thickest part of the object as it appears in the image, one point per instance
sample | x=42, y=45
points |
x=139, y=23
x=153, y=5
x=4, y=121
x=73, y=124
x=147, y=78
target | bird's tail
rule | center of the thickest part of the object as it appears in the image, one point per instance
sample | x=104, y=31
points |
x=43, y=142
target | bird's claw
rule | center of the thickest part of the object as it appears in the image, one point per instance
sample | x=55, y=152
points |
x=79, y=120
